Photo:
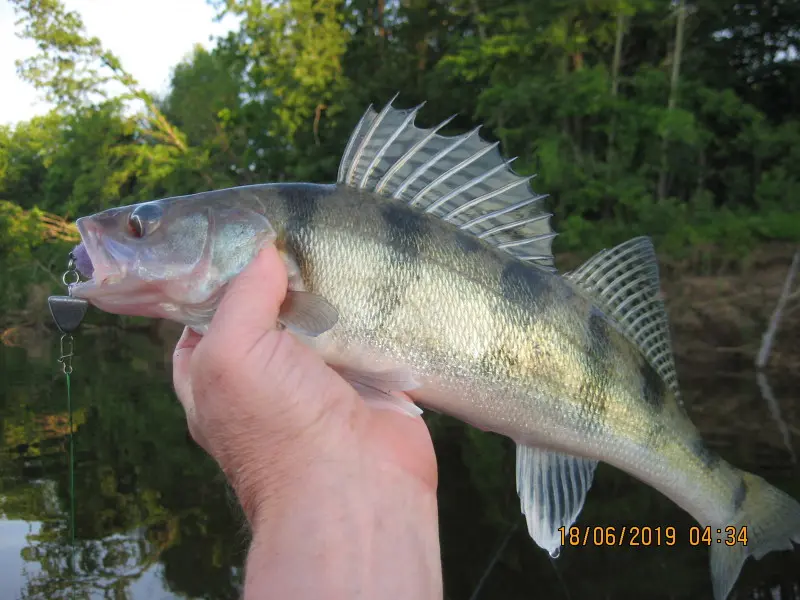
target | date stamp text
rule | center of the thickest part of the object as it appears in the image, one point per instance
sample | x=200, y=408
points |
x=624, y=535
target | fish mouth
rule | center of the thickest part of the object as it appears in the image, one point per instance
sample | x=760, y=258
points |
x=108, y=275
x=113, y=284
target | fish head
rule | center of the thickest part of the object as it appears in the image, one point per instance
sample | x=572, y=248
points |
x=168, y=258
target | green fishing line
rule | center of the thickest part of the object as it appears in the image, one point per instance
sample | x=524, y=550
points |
x=71, y=472
x=66, y=360
x=67, y=313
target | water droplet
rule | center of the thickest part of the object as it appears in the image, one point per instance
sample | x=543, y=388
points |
x=555, y=553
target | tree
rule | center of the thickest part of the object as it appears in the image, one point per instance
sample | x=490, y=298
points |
x=74, y=69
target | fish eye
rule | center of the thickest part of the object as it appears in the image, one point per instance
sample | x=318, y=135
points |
x=135, y=226
x=144, y=220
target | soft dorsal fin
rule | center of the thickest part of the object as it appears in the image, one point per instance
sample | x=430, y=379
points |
x=461, y=179
x=624, y=282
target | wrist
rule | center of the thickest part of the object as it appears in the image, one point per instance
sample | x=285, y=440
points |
x=342, y=530
x=269, y=477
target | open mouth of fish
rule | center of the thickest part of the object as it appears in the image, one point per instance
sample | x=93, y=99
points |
x=102, y=263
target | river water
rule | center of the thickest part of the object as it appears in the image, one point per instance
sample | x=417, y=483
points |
x=153, y=518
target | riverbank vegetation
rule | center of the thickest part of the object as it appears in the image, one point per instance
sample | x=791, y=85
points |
x=677, y=120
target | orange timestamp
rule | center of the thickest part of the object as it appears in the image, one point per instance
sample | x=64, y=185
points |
x=617, y=536
x=626, y=535
x=708, y=536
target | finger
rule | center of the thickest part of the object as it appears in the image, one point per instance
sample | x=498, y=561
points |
x=188, y=340
x=181, y=379
x=181, y=361
x=243, y=347
x=250, y=306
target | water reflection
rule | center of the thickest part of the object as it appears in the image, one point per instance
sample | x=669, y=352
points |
x=151, y=511
x=155, y=520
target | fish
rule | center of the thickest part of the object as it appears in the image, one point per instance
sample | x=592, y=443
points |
x=427, y=268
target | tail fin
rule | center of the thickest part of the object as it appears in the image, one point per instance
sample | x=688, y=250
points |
x=768, y=518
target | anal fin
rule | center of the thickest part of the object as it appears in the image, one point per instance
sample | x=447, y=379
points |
x=552, y=488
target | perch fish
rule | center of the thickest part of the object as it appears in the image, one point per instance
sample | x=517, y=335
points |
x=427, y=268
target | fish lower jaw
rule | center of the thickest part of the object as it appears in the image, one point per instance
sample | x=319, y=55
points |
x=96, y=285
x=83, y=289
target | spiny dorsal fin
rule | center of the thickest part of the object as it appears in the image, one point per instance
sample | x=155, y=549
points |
x=624, y=282
x=461, y=179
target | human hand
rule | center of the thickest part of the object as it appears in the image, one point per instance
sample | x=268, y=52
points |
x=302, y=450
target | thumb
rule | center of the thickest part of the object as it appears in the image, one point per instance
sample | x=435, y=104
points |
x=247, y=371
x=243, y=348
x=250, y=306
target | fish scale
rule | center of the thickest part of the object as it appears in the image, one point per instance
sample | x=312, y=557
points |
x=427, y=269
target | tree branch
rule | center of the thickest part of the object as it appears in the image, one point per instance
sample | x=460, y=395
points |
x=772, y=329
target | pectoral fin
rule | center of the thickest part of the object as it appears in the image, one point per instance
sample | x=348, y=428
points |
x=552, y=488
x=376, y=387
x=307, y=314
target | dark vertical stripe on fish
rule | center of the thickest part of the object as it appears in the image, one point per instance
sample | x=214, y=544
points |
x=406, y=229
x=709, y=459
x=599, y=335
x=467, y=242
x=655, y=436
x=300, y=202
x=520, y=281
x=654, y=390
x=386, y=298
x=598, y=365
x=499, y=362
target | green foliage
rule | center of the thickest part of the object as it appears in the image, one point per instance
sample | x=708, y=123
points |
x=28, y=248
x=276, y=100
x=69, y=68
x=20, y=231
x=618, y=148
